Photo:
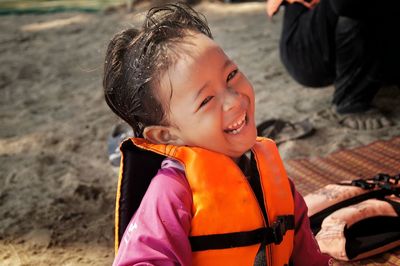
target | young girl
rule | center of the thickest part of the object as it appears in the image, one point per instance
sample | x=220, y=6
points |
x=221, y=195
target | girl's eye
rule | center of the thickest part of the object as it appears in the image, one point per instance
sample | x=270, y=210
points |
x=205, y=101
x=232, y=75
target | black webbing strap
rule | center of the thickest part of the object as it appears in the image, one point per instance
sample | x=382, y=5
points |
x=268, y=235
x=386, y=184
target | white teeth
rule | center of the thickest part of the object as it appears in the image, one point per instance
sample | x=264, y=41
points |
x=233, y=128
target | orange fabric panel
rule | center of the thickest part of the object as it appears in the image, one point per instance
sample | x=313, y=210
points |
x=230, y=199
x=276, y=187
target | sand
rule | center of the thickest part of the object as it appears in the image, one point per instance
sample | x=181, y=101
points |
x=57, y=188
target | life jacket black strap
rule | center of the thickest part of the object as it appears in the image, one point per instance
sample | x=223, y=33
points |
x=267, y=235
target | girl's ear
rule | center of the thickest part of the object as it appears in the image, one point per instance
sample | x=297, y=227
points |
x=162, y=135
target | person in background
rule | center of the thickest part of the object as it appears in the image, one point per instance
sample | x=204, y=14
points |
x=352, y=44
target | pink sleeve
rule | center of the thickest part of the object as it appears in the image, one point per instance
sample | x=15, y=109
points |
x=158, y=232
x=305, y=248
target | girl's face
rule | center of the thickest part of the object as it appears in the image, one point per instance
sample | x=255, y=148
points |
x=211, y=103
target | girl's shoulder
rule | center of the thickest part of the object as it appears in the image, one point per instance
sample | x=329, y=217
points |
x=171, y=163
x=170, y=182
x=171, y=171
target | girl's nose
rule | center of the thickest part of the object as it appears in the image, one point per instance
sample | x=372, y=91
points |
x=231, y=99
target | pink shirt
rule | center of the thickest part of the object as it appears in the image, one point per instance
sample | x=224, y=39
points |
x=158, y=232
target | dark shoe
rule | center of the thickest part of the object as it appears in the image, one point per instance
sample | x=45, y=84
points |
x=281, y=131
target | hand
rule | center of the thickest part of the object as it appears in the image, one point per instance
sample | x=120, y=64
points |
x=272, y=6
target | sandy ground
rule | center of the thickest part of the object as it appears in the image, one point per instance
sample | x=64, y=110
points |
x=57, y=188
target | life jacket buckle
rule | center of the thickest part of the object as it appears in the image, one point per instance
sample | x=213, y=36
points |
x=279, y=228
x=382, y=178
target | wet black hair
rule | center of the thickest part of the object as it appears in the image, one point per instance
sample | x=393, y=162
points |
x=137, y=58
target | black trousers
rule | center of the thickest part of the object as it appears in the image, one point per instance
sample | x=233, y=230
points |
x=352, y=44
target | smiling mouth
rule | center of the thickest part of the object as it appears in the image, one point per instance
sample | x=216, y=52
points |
x=237, y=126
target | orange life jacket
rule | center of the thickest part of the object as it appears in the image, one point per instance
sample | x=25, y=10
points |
x=228, y=224
x=273, y=5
